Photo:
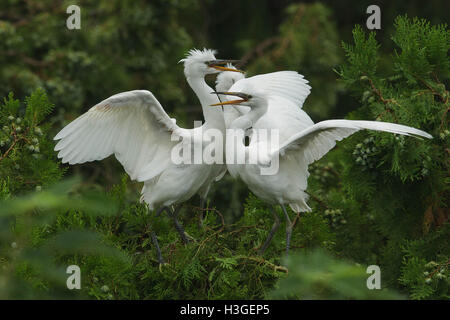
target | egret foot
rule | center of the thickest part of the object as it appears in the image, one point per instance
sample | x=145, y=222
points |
x=275, y=226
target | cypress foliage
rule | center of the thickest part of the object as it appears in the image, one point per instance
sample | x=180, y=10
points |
x=397, y=187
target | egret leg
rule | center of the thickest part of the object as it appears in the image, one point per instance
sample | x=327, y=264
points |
x=275, y=226
x=158, y=249
x=174, y=215
x=160, y=210
x=288, y=229
x=203, y=197
x=155, y=242
x=201, y=216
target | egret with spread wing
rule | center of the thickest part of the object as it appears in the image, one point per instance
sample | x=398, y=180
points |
x=310, y=142
x=136, y=129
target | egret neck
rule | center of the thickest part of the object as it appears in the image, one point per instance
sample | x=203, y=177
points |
x=213, y=115
x=258, y=109
x=239, y=150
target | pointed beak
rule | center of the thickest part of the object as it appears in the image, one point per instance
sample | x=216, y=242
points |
x=220, y=65
x=237, y=94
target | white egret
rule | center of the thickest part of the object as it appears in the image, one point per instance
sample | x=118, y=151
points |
x=287, y=90
x=287, y=186
x=135, y=128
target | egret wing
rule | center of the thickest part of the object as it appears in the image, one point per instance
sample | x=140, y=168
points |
x=131, y=125
x=287, y=91
x=314, y=142
x=289, y=85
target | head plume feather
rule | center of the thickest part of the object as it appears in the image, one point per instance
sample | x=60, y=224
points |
x=196, y=55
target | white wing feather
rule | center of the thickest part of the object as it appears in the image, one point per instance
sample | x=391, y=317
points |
x=289, y=85
x=131, y=125
x=314, y=142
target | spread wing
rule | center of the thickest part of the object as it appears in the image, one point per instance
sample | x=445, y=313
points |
x=131, y=125
x=314, y=142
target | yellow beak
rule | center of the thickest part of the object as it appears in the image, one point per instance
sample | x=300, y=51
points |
x=226, y=69
x=228, y=102
x=245, y=97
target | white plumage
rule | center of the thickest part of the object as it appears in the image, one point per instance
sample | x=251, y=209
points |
x=121, y=125
x=301, y=142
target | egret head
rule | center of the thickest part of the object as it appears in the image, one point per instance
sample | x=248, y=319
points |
x=226, y=79
x=248, y=96
x=202, y=62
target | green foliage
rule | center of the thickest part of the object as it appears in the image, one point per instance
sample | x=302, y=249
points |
x=362, y=57
x=33, y=244
x=318, y=276
x=26, y=154
x=119, y=47
x=426, y=57
x=118, y=259
x=426, y=277
x=395, y=195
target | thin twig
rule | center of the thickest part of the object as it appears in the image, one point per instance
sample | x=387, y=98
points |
x=317, y=199
x=382, y=99
x=258, y=50
x=202, y=244
x=263, y=261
